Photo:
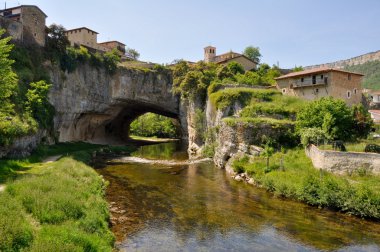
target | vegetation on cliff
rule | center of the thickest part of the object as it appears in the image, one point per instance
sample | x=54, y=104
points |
x=194, y=80
x=59, y=51
x=23, y=102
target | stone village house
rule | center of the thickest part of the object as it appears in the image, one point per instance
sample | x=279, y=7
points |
x=321, y=82
x=210, y=56
x=25, y=23
x=88, y=38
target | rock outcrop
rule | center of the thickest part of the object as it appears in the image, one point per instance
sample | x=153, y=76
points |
x=23, y=146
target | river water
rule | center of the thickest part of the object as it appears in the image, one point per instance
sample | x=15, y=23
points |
x=198, y=207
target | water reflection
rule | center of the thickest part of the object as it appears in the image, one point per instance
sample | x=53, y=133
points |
x=198, y=207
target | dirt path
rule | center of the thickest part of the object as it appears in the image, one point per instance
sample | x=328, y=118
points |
x=2, y=188
x=51, y=159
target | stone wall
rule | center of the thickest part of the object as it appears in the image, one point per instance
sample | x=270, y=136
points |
x=23, y=146
x=343, y=162
x=349, y=62
x=12, y=28
x=34, y=22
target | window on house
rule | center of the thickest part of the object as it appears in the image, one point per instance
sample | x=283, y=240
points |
x=326, y=80
x=284, y=90
x=348, y=94
x=314, y=79
x=322, y=77
x=355, y=91
x=316, y=90
x=349, y=77
x=302, y=79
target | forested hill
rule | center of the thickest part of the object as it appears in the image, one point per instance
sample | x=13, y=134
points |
x=367, y=64
x=371, y=70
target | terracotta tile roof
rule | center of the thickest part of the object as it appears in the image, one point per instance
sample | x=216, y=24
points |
x=80, y=28
x=374, y=111
x=113, y=41
x=234, y=57
x=314, y=71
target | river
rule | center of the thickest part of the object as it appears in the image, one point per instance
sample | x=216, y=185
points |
x=198, y=207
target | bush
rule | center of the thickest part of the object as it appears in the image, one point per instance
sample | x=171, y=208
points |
x=372, y=148
x=312, y=136
x=331, y=115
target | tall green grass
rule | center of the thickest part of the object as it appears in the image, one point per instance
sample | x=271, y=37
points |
x=59, y=209
x=355, y=194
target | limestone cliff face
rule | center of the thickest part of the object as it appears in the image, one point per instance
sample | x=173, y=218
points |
x=93, y=106
x=349, y=62
x=235, y=139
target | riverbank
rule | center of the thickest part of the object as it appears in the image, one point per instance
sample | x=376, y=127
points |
x=292, y=175
x=55, y=205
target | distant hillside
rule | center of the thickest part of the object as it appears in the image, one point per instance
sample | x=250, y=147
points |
x=367, y=64
x=371, y=70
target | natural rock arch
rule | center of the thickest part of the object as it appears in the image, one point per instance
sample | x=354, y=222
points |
x=94, y=106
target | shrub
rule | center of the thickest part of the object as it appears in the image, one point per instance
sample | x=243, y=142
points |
x=372, y=148
x=331, y=115
x=312, y=136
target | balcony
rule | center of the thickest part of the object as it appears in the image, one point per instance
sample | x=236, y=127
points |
x=311, y=83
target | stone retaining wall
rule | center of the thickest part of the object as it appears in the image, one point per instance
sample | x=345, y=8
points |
x=343, y=162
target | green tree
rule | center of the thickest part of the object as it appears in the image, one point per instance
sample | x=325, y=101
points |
x=363, y=123
x=38, y=105
x=253, y=53
x=132, y=53
x=268, y=152
x=312, y=136
x=153, y=125
x=8, y=79
x=297, y=69
x=56, y=41
x=331, y=115
x=235, y=68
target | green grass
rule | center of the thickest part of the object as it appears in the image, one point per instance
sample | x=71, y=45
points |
x=57, y=206
x=357, y=146
x=11, y=168
x=357, y=194
x=232, y=121
x=61, y=206
x=226, y=97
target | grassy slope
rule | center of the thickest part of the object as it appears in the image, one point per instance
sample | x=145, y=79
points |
x=57, y=206
x=357, y=194
x=371, y=70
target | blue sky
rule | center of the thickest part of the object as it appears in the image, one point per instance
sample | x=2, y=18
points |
x=291, y=32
